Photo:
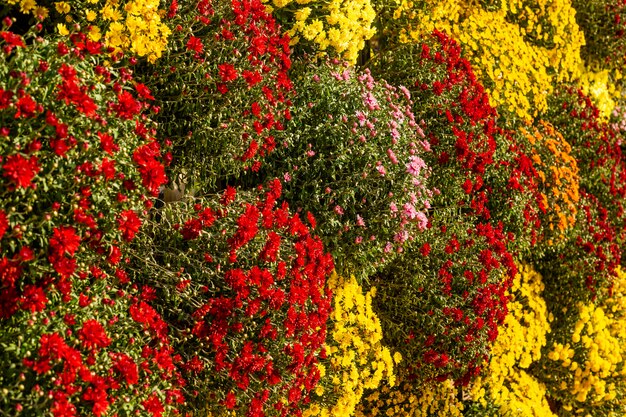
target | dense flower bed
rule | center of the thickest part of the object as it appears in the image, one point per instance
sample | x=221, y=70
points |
x=269, y=208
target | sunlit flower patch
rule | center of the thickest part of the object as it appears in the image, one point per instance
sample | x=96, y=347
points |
x=272, y=208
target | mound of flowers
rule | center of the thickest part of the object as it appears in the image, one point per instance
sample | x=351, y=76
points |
x=242, y=282
x=594, y=248
x=442, y=301
x=222, y=88
x=78, y=169
x=357, y=164
x=70, y=128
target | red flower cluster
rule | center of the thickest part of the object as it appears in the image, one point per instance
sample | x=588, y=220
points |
x=93, y=336
x=78, y=165
x=144, y=314
x=151, y=169
x=127, y=107
x=63, y=245
x=71, y=92
x=241, y=60
x=129, y=224
x=20, y=171
x=83, y=385
x=466, y=117
x=11, y=41
x=257, y=304
x=64, y=156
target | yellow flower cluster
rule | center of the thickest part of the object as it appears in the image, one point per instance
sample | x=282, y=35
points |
x=552, y=25
x=134, y=26
x=519, y=48
x=601, y=88
x=595, y=361
x=600, y=359
x=433, y=399
x=142, y=29
x=616, y=306
x=558, y=174
x=506, y=383
x=29, y=7
x=517, y=71
x=357, y=360
x=340, y=26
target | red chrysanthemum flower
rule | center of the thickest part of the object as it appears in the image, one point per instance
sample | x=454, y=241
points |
x=230, y=401
x=173, y=9
x=247, y=228
x=93, y=335
x=252, y=77
x=153, y=405
x=19, y=170
x=143, y=313
x=5, y=98
x=10, y=271
x=195, y=44
x=12, y=40
x=143, y=91
x=61, y=407
x=64, y=240
x=191, y=230
x=97, y=393
x=62, y=265
x=129, y=224
x=229, y=195
x=127, y=107
x=26, y=254
x=107, y=168
x=107, y=144
x=227, y=72
x=207, y=217
x=311, y=218
x=33, y=298
x=270, y=250
x=26, y=107
x=152, y=175
x=194, y=365
x=151, y=170
x=127, y=368
x=71, y=92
